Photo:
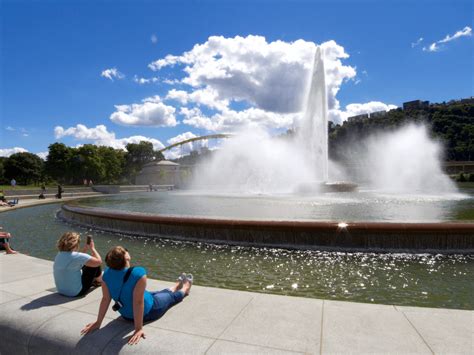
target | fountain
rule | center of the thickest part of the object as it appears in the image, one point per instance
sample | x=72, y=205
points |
x=313, y=134
x=266, y=191
x=245, y=195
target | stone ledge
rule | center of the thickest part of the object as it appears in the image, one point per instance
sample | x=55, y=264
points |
x=448, y=238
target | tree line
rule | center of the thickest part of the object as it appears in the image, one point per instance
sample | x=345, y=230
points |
x=452, y=124
x=68, y=165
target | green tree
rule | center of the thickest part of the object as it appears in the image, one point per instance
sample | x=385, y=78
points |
x=87, y=164
x=58, y=162
x=24, y=167
x=113, y=161
x=3, y=179
x=2, y=170
x=137, y=156
x=452, y=124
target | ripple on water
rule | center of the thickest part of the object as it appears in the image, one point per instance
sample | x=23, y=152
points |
x=402, y=279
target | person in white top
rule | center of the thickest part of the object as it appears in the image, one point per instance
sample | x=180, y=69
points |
x=75, y=272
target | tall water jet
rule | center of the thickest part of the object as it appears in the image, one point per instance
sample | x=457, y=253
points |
x=313, y=136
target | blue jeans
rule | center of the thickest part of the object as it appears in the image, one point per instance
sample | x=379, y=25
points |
x=162, y=301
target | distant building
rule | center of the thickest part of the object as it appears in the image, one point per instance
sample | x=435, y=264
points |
x=378, y=114
x=163, y=172
x=416, y=104
x=469, y=100
x=367, y=115
x=358, y=117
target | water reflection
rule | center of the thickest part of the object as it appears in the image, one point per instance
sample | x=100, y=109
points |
x=419, y=280
x=361, y=206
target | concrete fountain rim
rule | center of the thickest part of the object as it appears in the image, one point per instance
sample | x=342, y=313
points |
x=143, y=217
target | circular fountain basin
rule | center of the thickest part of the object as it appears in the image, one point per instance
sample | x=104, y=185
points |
x=281, y=221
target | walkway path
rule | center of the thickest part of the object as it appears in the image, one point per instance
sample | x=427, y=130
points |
x=35, y=319
x=35, y=202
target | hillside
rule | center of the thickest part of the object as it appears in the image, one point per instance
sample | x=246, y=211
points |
x=452, y=124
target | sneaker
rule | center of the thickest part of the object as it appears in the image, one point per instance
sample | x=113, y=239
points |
x=190, y=278
x=182, y=277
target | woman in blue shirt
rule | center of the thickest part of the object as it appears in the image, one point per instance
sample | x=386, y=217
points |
x=127, y=286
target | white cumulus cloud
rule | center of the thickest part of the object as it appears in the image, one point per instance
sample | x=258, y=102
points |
x=42, y=155
x=99, y=135
x=6, y=152
x=186, y=148
x=268, y=75
x=82, y=132
x=267, y=80
x=338, y=116
x=151, y=112
x=436, y=46
x=112, y=73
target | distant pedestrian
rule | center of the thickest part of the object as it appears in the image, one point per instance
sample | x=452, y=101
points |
x=43, y=192
x=13, y=183
x=60, y=192
x=85, y=182
x=90, y=183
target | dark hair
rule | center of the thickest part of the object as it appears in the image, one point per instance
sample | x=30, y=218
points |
x=115, y=258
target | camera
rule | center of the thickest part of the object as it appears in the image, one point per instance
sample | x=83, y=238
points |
x=117, y=306
x=88, y=239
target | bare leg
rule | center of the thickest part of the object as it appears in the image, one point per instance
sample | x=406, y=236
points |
x=8, y=249
x=187, y=287
x=177, y=286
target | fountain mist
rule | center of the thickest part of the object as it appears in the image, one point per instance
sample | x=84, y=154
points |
x=406, y=160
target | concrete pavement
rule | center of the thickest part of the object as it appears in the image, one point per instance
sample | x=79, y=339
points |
x=34, y=319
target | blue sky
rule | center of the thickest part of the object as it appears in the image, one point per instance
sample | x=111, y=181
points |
x=54, y=52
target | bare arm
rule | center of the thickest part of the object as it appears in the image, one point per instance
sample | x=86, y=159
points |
x=138, y=310
x=96, y=260
x=104, y=305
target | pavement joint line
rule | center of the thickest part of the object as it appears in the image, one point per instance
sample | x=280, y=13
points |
x=26, y=278
x=262, y=346
x=14, y=300
x=417, y=332
x=322, y=327
x=181, y=332
x=230, y=323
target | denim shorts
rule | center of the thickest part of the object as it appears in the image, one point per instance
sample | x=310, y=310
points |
x=162, y=301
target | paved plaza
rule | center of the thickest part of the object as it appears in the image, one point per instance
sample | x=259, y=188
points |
x=35, y=320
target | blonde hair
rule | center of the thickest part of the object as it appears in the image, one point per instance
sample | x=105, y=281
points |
x=69, y=241
x=115, y=258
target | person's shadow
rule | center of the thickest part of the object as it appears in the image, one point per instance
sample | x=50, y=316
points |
x=114, y=336
x=53, y=299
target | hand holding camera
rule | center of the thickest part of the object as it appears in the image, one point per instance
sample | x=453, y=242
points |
x=90, y=242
